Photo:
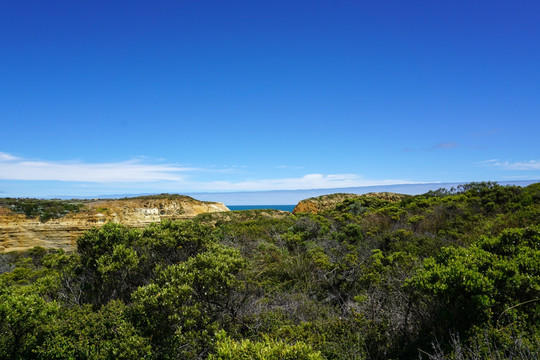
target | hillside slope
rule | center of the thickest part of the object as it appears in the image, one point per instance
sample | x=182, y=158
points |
x=25, y=223
x=321, y=203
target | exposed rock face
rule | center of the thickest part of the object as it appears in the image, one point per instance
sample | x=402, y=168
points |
x=17, y=232
x=326, y=202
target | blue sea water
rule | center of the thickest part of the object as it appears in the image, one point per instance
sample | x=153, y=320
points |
x=258, y=207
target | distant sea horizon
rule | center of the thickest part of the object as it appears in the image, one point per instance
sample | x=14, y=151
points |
x=274, y=199
x=288, y=208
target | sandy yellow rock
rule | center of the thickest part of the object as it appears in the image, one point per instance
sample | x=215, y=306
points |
x=17, y=232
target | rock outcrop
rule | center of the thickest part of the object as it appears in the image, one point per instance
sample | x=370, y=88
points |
x=18, y=232
x=318, y=204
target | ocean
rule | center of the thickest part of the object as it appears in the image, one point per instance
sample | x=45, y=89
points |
x=258, y=207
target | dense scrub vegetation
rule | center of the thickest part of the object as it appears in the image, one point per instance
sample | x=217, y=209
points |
x=44, y=209
x=451, y=274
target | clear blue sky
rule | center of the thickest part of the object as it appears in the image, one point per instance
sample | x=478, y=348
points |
x=100, y=97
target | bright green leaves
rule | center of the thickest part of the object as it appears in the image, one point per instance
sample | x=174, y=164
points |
x=121, y=259
x=458, y=278
x=476, y=286
x=267, y=349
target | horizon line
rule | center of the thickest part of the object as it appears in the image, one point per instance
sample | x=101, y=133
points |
x=287, y=191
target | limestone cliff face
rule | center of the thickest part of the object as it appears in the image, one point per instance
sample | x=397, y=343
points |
x=326, y=202
x=17, y=232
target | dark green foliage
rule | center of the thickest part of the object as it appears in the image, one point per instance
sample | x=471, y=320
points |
x=495, y=282
x=21, y=321
x=5, y=264
x=80, y=333
x=451, y=274
x=358, y=206
x=116, y=260
x=189, y=302
x=247, y=233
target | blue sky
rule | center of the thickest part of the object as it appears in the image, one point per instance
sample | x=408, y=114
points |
x=112, y=97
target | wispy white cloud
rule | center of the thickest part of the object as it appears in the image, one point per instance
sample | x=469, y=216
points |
x=142, y=175
x=517, y=165
x=13, y=168
x=7, y=157
x=309, y=181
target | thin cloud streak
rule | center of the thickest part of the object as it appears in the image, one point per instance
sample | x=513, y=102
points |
x=7, y=157
x=516, y=166
x=306, y=182
x=12, y=168
x=137, y=175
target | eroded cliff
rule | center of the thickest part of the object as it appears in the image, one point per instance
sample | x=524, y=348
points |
x=20, y=232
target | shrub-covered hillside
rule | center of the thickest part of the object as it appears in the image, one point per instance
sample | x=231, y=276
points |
x=450, y=274
x=44, y=209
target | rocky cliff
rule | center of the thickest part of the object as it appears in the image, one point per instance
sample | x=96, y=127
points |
x=20, y=232
x=326, y=202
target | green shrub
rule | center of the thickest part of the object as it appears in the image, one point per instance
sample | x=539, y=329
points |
x=268, y=349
